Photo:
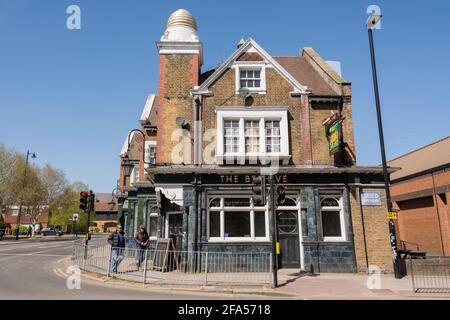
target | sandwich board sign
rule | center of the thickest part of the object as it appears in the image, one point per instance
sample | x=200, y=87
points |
x=75, y=217
x=164, y=256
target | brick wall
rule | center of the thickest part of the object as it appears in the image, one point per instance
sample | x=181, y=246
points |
x=177, y=75
x=278, y=94
x=424, y=215
x=371, y=233
x=417, y=222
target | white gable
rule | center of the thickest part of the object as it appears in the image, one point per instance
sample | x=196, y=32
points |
x=148, y=108
x=124, y=148
x=250, y=46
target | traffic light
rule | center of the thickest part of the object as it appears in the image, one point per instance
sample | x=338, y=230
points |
x=91, y=200
x=259, y=188
x=281, y=195
x=83, y=200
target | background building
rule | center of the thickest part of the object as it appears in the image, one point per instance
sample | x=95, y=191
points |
x=420, y=191
x=37, y=220
x=105, y=213
x=254, y=114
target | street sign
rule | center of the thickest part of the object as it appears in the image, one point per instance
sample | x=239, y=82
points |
x=371, y=198
x=75, y=217
x=391, y=216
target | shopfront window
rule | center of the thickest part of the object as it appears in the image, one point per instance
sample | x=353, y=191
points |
x=237, y=224
x=153, y=226
x=332, y=218
x=235, y=218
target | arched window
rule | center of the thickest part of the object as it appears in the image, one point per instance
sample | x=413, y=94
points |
x=333, y=228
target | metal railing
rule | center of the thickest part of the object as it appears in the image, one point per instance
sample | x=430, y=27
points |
x=403, y=245
x=175, y=267
x=431, y=274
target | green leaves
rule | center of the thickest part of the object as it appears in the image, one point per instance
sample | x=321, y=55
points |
x=37, y=188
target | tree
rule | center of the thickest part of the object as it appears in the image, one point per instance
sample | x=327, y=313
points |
x=10, y=168
x=54, y=182
x=66, y=204
x=43, y=189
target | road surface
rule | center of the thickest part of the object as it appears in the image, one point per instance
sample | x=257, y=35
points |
x=35, y=270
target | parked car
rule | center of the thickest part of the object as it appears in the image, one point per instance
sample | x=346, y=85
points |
x=51, y=232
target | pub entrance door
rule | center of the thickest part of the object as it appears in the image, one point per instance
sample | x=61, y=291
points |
x=175, y=228
x=289, y=235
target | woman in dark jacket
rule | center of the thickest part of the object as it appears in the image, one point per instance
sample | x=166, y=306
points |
x=141, y=239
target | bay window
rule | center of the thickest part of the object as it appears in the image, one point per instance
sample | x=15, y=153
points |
x=260, y=132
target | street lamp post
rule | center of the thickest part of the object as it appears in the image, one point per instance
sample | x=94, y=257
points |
x=372, y=22
x=33, y=156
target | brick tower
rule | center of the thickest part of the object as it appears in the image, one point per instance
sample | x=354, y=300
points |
x=181, y=55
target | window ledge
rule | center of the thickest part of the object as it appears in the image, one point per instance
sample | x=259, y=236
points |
x=334, y=239
x=261, y=158
x=237, y=240
x=260, y=91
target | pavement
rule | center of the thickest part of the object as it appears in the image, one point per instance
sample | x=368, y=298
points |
x=37, y=270
x=34, y=269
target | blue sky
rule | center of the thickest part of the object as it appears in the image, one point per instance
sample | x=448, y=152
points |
x=72, y=95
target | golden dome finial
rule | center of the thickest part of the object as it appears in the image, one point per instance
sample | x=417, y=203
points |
x=182, y=17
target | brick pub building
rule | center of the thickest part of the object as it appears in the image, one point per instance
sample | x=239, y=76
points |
x=208, y=132
x=420, y=191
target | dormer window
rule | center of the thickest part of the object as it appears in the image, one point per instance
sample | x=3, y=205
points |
x=250, y=76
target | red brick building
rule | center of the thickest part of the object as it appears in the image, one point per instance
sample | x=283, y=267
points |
x=40, y=221
x=420, y=191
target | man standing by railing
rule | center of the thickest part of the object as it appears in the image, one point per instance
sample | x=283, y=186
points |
x=117, y=242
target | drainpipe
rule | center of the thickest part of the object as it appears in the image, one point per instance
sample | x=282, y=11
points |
x=197, y=130
x=350, y=222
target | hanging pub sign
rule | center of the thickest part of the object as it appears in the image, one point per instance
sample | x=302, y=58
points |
x=333, y=131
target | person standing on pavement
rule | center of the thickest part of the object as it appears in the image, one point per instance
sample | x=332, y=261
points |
x=141, y=239
x=29, y=231
x=117, y=242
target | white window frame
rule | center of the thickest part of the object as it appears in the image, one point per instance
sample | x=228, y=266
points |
x=261, y=114
x=135, y=174
x=251, y=66
x=338, y=198
x=239, y=128
x=152, y=215
x=251, y=209
x=14, y=211
x=149, y=144
x=166, y=232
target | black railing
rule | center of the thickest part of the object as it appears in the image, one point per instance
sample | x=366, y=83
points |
x=431, y=274
x=403, y=245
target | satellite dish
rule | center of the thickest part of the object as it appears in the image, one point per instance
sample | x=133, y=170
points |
x=181, y=121
x=244, y=92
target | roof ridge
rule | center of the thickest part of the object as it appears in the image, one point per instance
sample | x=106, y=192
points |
x=420, y=148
